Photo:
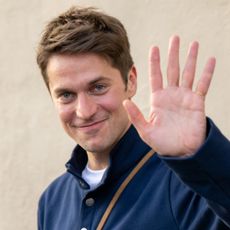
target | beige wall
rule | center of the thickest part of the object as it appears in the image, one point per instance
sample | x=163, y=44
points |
x=33, y=147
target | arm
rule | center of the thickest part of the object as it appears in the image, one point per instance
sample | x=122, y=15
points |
x=207, y=171
x=177, y=127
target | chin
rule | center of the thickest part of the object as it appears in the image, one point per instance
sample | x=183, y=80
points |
x=97, y=147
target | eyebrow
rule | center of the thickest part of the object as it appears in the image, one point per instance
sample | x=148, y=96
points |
x=59, y=91
x=100, y=78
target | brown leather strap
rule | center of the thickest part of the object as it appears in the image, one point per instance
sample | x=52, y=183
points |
x=121, y=189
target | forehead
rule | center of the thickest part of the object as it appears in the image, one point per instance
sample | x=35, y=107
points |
x=79, y=69
x=62, y=63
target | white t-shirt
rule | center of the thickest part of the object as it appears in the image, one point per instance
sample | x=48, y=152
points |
x=92, y=177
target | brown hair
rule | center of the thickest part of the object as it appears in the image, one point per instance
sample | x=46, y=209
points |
x=85, y=30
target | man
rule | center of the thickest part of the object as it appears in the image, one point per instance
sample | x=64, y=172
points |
x=85, y=61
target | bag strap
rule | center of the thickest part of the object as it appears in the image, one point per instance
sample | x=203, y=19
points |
x=121, y=189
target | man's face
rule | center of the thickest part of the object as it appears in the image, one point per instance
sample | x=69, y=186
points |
x=88, y=93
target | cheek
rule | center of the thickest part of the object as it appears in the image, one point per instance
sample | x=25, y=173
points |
x=113, y=105
x=65, y=113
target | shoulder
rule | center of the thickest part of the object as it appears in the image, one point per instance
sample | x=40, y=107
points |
x=57, y=188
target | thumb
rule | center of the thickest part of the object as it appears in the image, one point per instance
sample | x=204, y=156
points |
x=135, y=115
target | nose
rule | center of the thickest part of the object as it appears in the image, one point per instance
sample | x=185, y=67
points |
x=86, y=106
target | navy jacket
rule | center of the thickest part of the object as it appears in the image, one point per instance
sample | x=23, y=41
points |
x=190, y=193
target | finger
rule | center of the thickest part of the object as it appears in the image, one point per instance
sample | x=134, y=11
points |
x=155, y=76
x=135, y=115
x=190, y=66
x=206, y=77
x=173, y=69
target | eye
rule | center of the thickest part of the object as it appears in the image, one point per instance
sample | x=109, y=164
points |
x=98, y=89
x=66, y=97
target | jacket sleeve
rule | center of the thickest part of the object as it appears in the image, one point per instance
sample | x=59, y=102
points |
x=207, y=172
x=40, y=214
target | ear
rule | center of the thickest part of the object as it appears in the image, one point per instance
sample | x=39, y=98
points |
x=132, y=82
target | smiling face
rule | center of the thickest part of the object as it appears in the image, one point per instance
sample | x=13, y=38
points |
x=88, y=93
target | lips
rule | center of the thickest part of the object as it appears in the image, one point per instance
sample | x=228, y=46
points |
x=85, y=125
x=91, y=126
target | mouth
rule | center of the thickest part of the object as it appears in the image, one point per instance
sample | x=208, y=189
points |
x=90, y=126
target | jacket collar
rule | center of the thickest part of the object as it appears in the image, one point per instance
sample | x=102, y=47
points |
x=123, y=157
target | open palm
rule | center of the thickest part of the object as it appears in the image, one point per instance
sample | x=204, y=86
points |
x=177, y=122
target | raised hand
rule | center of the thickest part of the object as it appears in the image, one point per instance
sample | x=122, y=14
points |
x=177, y=121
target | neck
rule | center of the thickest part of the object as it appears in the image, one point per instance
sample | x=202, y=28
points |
x=100, y=160
x=97, y=161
